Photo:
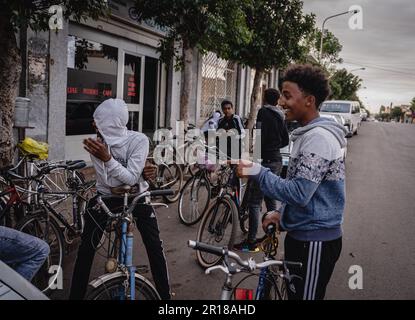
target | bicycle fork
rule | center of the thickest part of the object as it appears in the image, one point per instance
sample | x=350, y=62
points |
x=126, y=256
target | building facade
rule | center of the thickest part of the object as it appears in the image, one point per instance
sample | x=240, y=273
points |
x=67, y=74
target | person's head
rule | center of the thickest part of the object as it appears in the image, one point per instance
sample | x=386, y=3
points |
x=271, y=96
x=110, y=120
x=227, y=108
x=304, y=88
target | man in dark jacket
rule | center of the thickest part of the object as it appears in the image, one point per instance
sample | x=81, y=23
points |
x=234, y=131
x=274, y=135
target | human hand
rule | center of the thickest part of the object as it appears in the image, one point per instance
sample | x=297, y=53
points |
x=271, y=218
x=150, y=172
x=97, y=149
x=246, y=168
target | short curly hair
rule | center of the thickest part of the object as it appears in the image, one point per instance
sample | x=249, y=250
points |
x=311, y=80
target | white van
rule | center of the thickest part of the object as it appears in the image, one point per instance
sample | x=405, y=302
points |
x=350, y=110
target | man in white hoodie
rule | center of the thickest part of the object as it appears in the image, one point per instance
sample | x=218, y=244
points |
x=118, y=156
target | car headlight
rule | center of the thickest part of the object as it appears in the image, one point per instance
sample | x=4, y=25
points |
x=347, y=121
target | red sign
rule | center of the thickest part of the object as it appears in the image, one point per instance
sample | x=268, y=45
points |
x=72, y=90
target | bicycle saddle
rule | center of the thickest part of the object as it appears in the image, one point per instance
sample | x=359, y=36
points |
x=120, y=190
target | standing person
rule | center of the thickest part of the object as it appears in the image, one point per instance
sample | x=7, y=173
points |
x=22, y=252
x=313, y=194
x=118, y=156
x=234, y=129
x=274, y=136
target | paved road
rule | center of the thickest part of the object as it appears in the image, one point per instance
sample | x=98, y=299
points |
x=380, y=214
x=378, y=228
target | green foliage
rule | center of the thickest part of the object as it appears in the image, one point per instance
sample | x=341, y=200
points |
x=344, y=85
x=36, y=15
x=278, y=29
x=331, y=47
x=413, y=105
x=396, y=113
x=209, y=25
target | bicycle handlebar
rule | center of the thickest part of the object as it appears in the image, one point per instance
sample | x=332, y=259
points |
x=137, y=197
x=249, y=264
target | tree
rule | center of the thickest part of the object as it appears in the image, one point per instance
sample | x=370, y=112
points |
x=208, y=25
x=413, y=105
x=331, y=47
x=17, y=14
x=382, y=109
x=344, y=85
x=278, y=29
x=396, y=113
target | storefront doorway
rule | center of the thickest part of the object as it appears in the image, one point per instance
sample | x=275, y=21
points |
x=101, y=66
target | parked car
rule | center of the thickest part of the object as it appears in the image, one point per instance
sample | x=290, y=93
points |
x=363, y=114
x=340, y=120
x=14, y=287
x=349, y=110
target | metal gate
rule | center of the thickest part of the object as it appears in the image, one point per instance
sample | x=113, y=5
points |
x=218, y=83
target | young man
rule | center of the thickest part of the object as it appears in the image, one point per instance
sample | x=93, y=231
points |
x=22, y=252
x=313, y=195
x=274, y=136
x=234, y=129
x=118, y=156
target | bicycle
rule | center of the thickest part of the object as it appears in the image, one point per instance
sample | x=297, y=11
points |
x=122, y=281
x=229, y=291
x=196, y=194
x=219, y=224
x=43, y=221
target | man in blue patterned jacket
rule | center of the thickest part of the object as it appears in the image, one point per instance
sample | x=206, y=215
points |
x=313, y=194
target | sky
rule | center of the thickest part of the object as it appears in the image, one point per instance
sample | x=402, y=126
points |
x=385, y=46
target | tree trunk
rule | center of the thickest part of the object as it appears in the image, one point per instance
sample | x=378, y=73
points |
x=255, y=102
x=186, y=85
x=10, y=67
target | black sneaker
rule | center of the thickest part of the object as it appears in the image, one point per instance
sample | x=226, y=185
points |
x=246, y=246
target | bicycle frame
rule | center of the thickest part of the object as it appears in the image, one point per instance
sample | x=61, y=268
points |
x=12, y=198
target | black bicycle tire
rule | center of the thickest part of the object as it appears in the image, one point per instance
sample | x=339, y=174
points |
x=180, y=205
x=234, y=216
x=59, y=236
x=175, y=197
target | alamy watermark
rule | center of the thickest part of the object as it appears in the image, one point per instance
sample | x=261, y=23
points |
x=214, y=148
x=56, y=277
x=356, y=280
x=356, y=20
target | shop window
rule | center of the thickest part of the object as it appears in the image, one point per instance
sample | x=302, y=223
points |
x=92, y=78
x=132, y=76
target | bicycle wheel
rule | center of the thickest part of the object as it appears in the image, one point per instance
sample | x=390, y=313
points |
x=172, y=178
x=62, y=180
x=217, y=228
x=50, y=232
x=194, y=200
x=114, y=289
x=272, y=288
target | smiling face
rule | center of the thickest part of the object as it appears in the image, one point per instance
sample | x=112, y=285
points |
x=297, y=104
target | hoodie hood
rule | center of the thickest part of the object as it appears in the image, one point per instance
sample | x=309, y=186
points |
x=338, y=130
x=111, y=118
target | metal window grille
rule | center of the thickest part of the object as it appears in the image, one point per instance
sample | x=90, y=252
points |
x=218, y=83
